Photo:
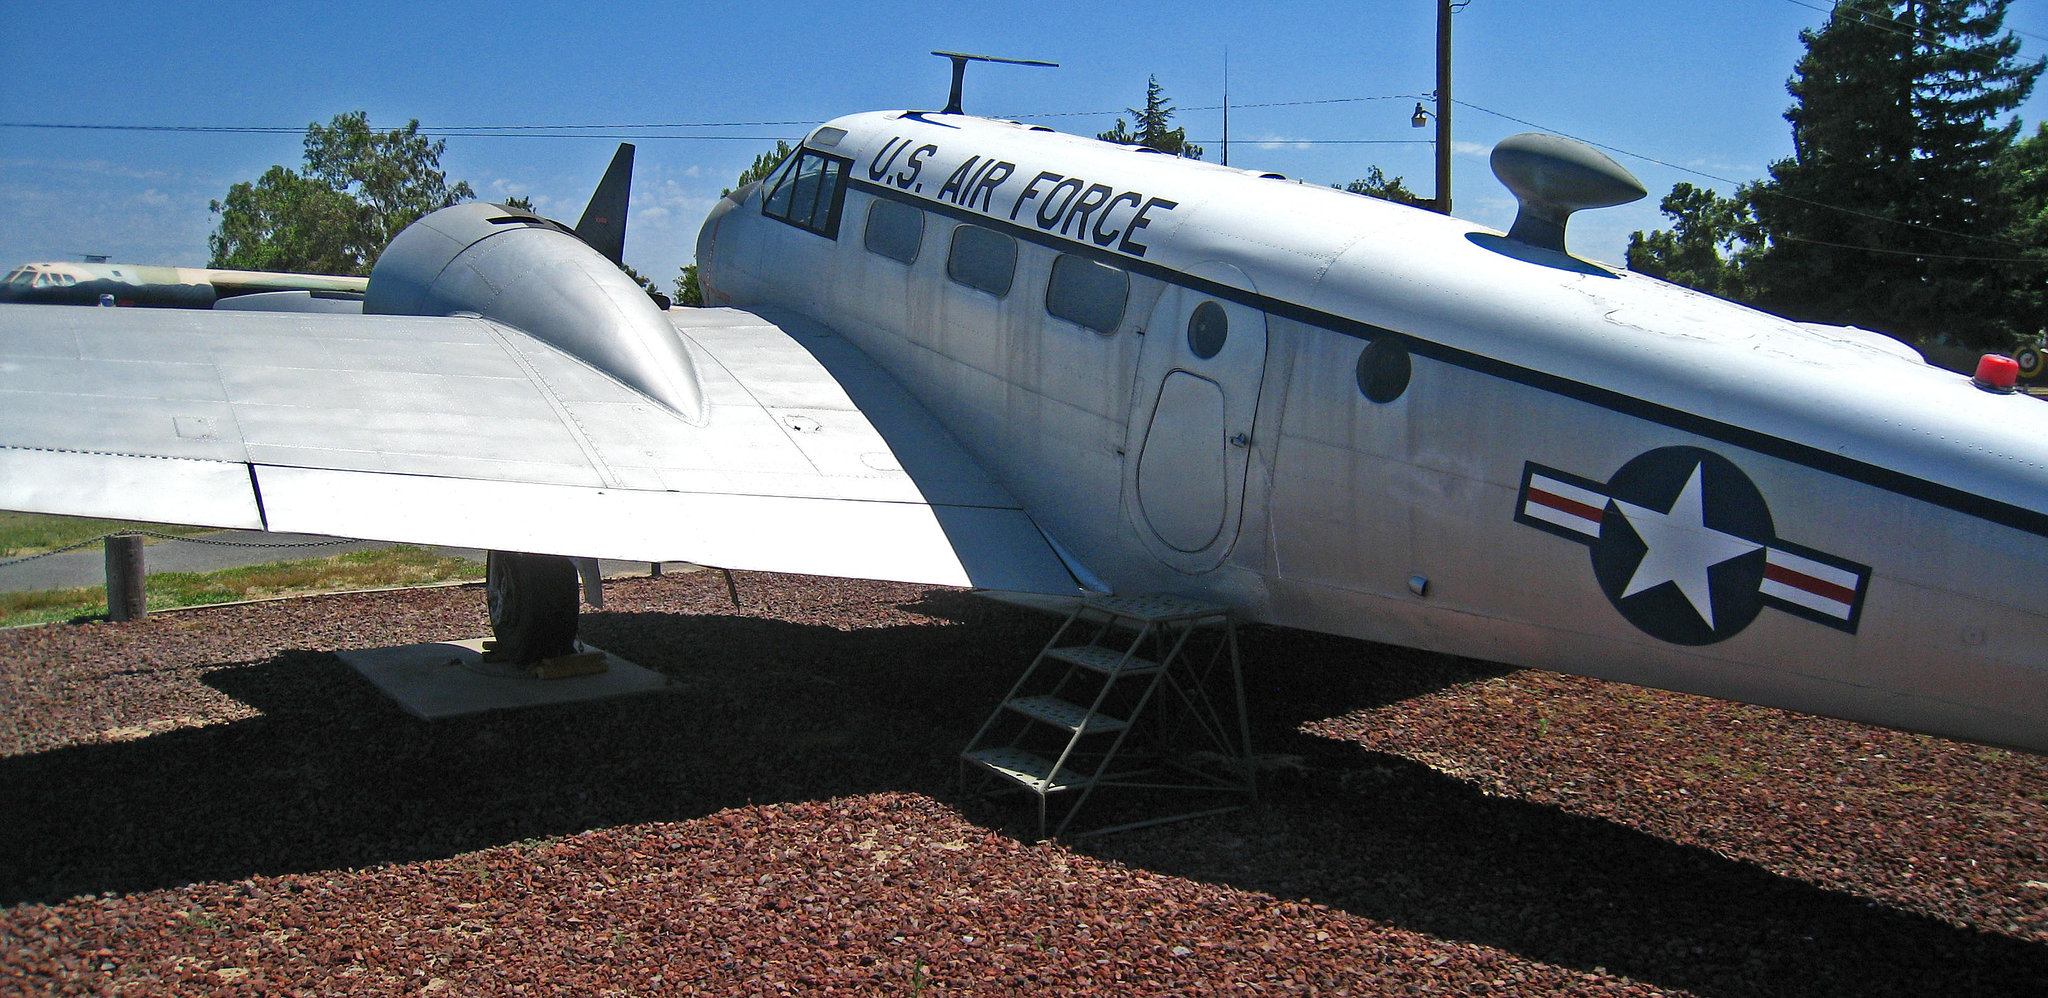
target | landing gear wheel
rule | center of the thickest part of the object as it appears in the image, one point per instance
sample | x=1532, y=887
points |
x=532, y=599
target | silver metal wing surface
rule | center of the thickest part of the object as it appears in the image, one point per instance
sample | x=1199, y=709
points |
x=460, y=430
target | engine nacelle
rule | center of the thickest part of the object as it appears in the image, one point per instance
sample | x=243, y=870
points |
x=528, y=272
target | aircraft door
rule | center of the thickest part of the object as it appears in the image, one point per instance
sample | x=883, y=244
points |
x=1191, y=431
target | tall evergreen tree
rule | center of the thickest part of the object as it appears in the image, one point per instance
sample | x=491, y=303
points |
x=1902, y=109
x=1152, y=132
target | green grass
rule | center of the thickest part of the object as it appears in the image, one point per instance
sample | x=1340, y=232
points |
x=381, y=568
x=32, y=533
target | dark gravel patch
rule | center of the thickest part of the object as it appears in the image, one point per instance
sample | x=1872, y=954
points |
x=208, y=802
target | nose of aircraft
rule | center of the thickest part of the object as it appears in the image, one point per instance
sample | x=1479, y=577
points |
x=707, y=242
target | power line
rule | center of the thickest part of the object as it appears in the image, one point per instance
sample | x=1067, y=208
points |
x=2037, y=261
x=1219, y=107
x=1894, y=25
x=438, y=129
x=212, y=129
x=581, y=130
x=1330, y=142
x=464, y=131
x=598, y=131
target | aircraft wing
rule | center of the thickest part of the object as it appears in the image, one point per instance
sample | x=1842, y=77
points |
x=470, y=432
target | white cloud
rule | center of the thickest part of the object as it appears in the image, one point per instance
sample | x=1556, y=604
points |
x=135, y=212
x=1272, y=142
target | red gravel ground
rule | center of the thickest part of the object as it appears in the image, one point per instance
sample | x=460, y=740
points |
x=209, y=803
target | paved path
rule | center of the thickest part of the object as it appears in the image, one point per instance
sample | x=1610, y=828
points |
x=225, y=549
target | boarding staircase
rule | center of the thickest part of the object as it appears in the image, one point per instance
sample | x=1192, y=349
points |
x=1132, y=691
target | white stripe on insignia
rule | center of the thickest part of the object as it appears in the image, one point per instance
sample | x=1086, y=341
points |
x=1568, y=491
x=1793, y=569
x=1811, y=601
x=1569, y=521
x=1534, y=508
x=1809, y=567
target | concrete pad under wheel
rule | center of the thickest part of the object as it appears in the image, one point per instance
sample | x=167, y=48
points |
x=449, y=679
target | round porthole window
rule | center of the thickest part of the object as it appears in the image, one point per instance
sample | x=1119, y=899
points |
x=1208, y=327
x=1383, y=369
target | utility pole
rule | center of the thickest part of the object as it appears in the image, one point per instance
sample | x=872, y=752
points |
x=1443, y=106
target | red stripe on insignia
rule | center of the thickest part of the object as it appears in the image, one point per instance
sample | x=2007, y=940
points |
x=1563, y=505
x=1818, y=587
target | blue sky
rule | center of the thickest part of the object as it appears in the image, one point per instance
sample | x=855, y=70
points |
x=1696, y=85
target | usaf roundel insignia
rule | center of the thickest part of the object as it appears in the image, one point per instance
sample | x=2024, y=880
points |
x=1683, y=547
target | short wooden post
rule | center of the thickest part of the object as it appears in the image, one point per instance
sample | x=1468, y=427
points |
x=126, y=598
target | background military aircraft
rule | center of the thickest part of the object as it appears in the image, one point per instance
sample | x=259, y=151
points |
x=123, y=284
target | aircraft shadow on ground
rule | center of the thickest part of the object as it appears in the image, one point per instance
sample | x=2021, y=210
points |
x=333, y=776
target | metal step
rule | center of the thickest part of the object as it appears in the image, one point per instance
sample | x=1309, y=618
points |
x=1028, y=768
x=1062, y=714
x=1155, y=608
x=1107, y=661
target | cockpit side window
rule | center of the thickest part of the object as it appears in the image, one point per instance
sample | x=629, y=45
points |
x=807, y=191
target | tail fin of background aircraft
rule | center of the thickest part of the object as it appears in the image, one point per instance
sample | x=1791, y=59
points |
x=604, y=222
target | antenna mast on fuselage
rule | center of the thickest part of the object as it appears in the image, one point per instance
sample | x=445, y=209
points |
x=960, y=61
x=1226, y=107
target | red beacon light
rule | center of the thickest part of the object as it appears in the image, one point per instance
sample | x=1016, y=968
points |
x=1997, y=373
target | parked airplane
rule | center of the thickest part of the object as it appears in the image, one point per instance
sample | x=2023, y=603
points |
x=169, y=287
x=965, y=351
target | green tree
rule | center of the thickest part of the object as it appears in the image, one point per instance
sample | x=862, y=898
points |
x=358, y=189
x=688, y=291
x=1376, y=185
x=285, y=222
x=1152, y=132
x=1702, y=249
x=1889, y=214
x=2023, y=174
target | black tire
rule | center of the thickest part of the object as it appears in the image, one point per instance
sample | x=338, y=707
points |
x=532, y=600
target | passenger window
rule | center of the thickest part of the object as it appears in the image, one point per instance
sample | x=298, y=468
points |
x=808, y=192
x=1086, y=293
x=983, y=259
x=895, y=230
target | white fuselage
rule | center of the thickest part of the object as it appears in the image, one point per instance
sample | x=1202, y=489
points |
x=1337, y=413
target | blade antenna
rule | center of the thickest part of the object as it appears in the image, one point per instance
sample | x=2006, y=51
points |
x=960, y=61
